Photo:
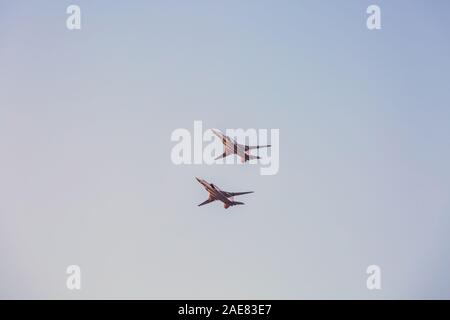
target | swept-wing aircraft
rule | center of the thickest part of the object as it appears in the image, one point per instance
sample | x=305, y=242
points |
x=216, y=194
x=230, y=146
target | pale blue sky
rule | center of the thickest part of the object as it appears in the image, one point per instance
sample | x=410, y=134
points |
x=85, y=170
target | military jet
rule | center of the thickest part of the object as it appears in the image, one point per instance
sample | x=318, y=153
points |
x=216, y=194
x=232, y=147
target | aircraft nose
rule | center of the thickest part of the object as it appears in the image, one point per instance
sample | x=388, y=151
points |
x=198, y=179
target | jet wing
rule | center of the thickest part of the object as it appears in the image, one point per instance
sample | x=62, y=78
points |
x=232, y=194
x=223, y=155
x=206, y=202
x=256, y=147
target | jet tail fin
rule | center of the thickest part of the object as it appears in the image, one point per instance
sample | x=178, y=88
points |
x=248, y=157
x=232, y=203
